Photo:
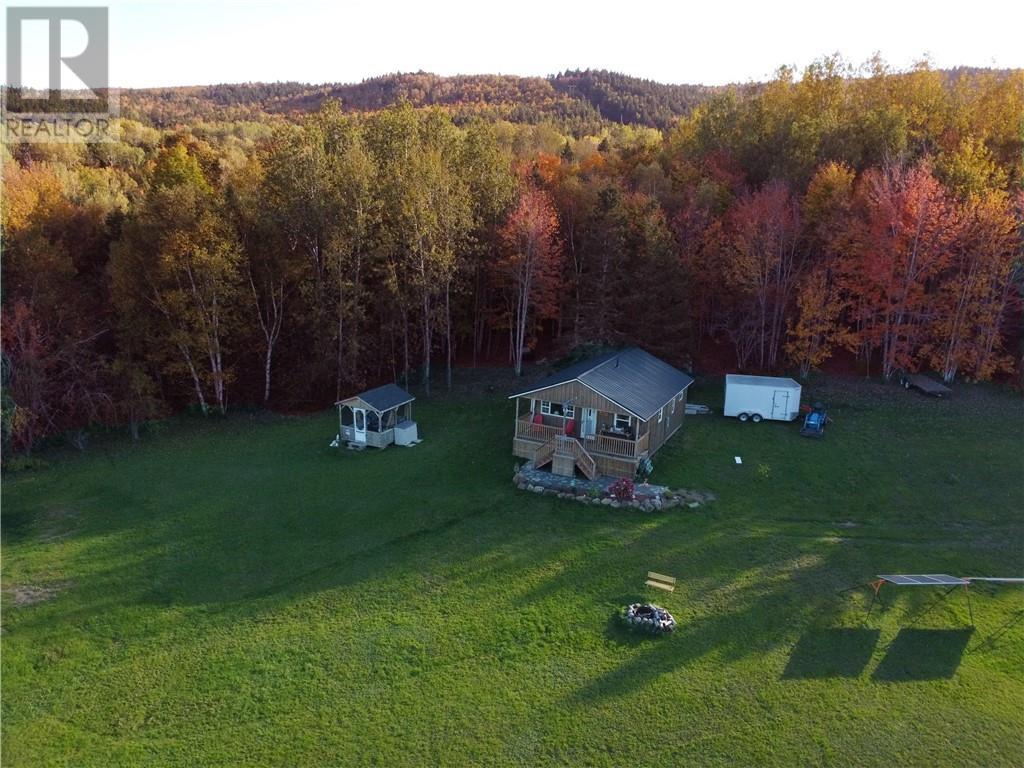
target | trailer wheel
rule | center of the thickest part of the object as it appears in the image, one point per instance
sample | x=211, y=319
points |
x=744, y=416
x=756, y=418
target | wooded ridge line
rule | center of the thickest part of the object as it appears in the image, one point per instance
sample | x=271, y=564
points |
x=579, y=100
x=287, y=262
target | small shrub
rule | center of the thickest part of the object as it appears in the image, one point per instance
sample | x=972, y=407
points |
x=622, y=489
x=764, y=471
x=594, y=493
x=644, y=470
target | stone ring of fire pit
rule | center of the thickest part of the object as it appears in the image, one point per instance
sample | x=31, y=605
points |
x=649, y=616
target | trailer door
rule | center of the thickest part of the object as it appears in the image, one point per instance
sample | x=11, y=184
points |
x=780, y=405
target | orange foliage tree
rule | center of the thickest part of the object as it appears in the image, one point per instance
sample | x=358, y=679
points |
x=530, y=267
x=902, y=239
x=764, y=261
x=971, y=303
x=819, y=326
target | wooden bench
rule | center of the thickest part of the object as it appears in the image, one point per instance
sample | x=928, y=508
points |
x=661, y=581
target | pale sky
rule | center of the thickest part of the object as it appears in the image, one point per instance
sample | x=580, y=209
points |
x=192, y=42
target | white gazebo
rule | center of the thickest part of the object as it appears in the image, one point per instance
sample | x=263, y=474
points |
x=377, y=417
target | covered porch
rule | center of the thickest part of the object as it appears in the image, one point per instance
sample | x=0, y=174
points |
x=593, y=441
x=600, y=432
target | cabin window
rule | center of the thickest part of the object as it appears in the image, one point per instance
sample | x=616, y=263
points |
x=673, y=406
x=557, y=409
x=660, y=414
x=621, y=421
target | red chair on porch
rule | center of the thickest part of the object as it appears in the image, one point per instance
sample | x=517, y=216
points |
x=538, y=419
x=570, y=427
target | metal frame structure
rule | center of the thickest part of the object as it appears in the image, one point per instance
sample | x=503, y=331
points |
x=929, y=580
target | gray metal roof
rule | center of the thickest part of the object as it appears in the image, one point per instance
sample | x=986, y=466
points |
x=636, y=380
x=382, y=398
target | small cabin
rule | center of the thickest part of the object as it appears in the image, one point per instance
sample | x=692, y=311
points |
x=378, y=418
x=602, y=416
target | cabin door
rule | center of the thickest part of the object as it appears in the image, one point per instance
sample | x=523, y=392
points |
x=588, y=422
x=780, y=405
x=359, y=424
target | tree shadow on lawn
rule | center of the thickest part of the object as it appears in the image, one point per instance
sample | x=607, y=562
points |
x=743, y=593
x=762, y=620
x=994, y=640
x=923, y=654
x=731, y=634
x=752, y=613
x=231, y=578
x=269, y=535
x=828, y=653
x=705, y=555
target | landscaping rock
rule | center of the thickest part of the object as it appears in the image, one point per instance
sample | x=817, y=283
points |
x=647, y=498
x=653, y=618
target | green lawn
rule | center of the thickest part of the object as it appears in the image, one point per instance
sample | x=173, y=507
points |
x=240, y=594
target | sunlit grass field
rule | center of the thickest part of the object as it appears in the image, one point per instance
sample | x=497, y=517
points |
x=238, y=593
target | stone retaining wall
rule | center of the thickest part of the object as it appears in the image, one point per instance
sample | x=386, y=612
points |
x=646, y=498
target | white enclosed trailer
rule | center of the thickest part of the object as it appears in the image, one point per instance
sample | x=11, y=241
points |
x=761, y=397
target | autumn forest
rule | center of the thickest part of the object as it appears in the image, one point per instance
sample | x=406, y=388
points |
x=282, y=248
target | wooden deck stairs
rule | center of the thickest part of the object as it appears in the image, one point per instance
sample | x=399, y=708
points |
x=545, y=453
x=570, y=447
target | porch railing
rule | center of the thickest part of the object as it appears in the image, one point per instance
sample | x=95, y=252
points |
x=376, y=439
x=614, y=446
x=610, y=446
x=530, y=431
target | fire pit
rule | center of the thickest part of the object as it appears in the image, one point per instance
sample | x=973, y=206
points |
x=648, y=616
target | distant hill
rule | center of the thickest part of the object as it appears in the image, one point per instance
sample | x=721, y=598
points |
x=580, y=98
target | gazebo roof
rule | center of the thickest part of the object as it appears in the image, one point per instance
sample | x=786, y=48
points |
x=382, y=398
